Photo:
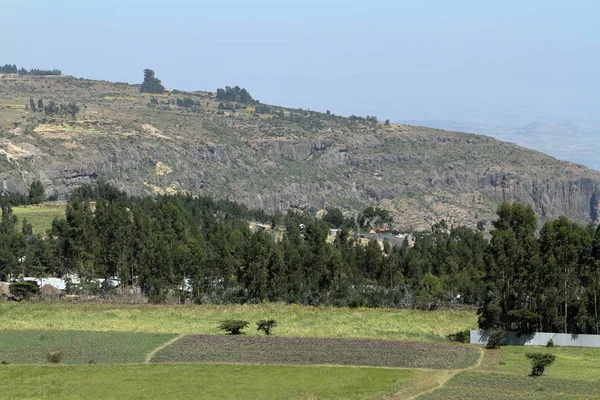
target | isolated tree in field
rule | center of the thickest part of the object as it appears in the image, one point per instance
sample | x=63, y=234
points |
x=40, y=105
x=266, y=325
x=32, y=104
x=151, y=84
x=539, y=362
x=233, y=326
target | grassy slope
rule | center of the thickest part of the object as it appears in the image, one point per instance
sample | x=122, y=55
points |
x=293, y=320
x=480, y=385
x=201, y=382
x=574, y=375
x=31, y=347
x=571, y=363
x=40, y=217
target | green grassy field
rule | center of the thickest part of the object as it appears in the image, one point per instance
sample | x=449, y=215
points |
x=292, y=320
x=76, y=347
x=146, y=365
x=286, y=350
x=40, y=216
x=202, y=381
x=492, y=386
x=576, y=363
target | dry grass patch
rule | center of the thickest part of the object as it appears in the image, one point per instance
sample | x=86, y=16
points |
x=292, y=320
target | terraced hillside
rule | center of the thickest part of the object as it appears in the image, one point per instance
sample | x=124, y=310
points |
x=272, y=157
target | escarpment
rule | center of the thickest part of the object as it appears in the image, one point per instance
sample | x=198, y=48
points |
x=276, y=160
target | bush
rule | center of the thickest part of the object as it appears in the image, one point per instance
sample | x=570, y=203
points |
x=460, y=336
x=550, y=343
x=233, y=326
x=54, y=357
x=539, y=362
x=24, y=289
x=495, y=339
x=266, y=325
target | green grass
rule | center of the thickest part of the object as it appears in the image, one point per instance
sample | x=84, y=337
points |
x=201, y=382
x=576, y=363
x=40, y=217
x=319, y=351
x=485, y=385
x=76, y=347
x=292, y=320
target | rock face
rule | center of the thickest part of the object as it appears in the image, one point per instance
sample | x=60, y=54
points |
x=287, y=159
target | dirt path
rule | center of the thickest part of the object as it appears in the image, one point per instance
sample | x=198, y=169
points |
x=162, y=346
x=439, y=380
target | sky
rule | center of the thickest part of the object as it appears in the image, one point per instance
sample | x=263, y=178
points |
x=504, y=63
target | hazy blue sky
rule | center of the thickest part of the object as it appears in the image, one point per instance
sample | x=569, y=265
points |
x=481, y=61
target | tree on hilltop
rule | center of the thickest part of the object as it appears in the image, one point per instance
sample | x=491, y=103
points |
x=151, y=84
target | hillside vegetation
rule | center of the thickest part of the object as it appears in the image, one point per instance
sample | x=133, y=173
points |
x=228, y=145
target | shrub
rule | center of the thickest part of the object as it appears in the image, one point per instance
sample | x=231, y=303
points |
x=233, y=326
x=24, y=289
x=460, y=336
x=495, y=339
x=550, y=343
x=54, y=357
x=266, y=325
x=539, y=362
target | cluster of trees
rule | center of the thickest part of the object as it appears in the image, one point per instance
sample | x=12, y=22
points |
x=374, y=216
x=36, y=71
x=186, y=102
x=8, y=69
x=151, y=84
x=262, y=109
x=12, y=69
x=519, y=279
x=52, y=108
x=235, y=94
x=35, y=195
x=157, y=242
x=371, y=120
x=541, y=282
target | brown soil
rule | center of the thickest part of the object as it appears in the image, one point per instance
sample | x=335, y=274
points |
x=290, y=350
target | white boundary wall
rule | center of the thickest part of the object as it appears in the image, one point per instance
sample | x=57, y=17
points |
x=540, y=339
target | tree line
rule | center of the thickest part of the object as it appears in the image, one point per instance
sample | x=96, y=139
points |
x=53, y=108
x=204, y=250
x=235, y=94
x=12, y=69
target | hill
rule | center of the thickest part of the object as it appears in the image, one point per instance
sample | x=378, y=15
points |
x=271, y=157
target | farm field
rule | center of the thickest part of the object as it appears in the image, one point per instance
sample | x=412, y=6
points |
x=293, y=320
x=201, y=381
x=76, y=347
x=285, y=350
x=492, y=386
x=40, y=216
x=176, y=352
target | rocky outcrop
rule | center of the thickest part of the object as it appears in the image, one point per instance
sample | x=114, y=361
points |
x=278, y=163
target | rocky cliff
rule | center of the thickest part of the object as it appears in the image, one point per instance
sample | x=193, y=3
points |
x=275, y=160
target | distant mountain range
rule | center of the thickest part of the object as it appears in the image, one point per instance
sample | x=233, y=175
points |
x=564, y=140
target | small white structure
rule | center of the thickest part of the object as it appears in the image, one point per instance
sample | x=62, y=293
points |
x=61, y=284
